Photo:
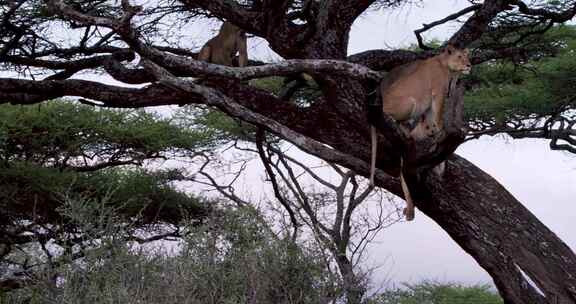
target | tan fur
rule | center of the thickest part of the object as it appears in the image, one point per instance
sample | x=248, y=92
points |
x=223, y=47
x=415, y=93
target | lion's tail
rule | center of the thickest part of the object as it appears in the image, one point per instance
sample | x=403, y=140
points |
x=409, y=211
x=374, y=139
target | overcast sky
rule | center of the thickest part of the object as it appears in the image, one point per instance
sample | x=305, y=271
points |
x=543, y=180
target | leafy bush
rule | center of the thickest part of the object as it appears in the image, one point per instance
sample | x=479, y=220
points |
x=234, y=258
x=438, y=293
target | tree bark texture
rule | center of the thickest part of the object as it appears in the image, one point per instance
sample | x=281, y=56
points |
x=506, y=239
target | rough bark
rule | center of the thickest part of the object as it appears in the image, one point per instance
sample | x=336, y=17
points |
x=502, y=235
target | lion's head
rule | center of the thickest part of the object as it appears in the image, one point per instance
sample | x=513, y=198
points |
x=457, y=59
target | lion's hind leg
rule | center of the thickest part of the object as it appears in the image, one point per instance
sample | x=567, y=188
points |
x=409, y=211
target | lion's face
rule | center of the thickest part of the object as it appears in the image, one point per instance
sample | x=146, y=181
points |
x=457, y=60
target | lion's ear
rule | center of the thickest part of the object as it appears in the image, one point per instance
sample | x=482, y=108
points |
x=450, y=49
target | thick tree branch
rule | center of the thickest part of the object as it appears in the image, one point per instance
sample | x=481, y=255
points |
x=70, y=67
x=226, y=104
x=348, y=10
x=386, y=60
x=190, y=67
x=20, y=91
x=80, y=64
x=231, y=11
x=476, y=25
x=503, y=236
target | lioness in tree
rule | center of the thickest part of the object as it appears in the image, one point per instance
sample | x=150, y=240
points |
x=223, y=47
x=414, y=96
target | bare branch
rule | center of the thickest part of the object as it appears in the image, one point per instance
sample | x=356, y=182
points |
x=227, y=191
x=557, y=17
x=260, y=138
x=21, y=91
x=305, y=202
x=475, y=26
x=426, y=27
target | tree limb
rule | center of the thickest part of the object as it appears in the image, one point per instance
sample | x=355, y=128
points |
x=475, y=26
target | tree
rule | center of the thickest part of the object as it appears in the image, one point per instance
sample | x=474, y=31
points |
x=321, y=204
x=82, y=195
x=331, y=214
x=478, y=213
x=230, y=258
x=57, y=154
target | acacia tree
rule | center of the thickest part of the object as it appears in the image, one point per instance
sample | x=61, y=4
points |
x=63, y=165
x=509, y=242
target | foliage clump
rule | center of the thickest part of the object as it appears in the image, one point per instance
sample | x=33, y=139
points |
x=429, y=292
x=232, y=258
x=503, y=90
x=63, y=148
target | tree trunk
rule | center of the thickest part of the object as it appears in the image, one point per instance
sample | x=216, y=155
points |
x=528, y=262
x=352, y=285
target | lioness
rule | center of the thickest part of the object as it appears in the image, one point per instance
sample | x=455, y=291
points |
x=413, y=94
x=222, y=48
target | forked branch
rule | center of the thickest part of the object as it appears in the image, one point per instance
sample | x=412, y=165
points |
x=426, y=27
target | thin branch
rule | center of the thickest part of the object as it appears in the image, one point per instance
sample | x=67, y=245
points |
x=260, y=138
x=426, y=27
x=304, y=198
x=306, y=169
x=340, y=206
x=557, y=17
x=221, y=189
